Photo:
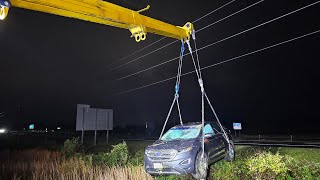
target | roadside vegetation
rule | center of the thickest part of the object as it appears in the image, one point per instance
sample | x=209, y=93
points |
x=125, y=161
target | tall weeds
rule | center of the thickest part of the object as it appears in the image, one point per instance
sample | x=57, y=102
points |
x=43, y=164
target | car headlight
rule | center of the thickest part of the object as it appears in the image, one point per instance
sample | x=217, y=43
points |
x=186, y=150
x=146, y=152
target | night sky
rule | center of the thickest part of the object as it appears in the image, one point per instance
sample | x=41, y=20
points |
x=49, y=64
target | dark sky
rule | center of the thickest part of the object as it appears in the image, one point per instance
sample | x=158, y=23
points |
x=48, y=64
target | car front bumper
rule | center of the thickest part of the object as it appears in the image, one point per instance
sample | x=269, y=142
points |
x=182, y=163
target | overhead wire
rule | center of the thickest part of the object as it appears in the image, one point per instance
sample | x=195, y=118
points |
x=136, y=59
x=211, y=24
x=123, y=58
x=211, y=12
x=222, y=62
x=221, y=40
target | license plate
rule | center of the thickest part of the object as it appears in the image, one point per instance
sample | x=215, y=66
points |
x=157, y=165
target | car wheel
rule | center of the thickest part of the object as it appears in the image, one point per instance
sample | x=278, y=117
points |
x=231, y=154
x=201, y=166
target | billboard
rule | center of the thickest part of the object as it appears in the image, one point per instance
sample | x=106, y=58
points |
x=90, y=119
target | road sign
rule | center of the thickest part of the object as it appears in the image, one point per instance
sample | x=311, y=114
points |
x=237, y=126
x=90, y=119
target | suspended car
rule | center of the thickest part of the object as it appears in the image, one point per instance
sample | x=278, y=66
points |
x=179, y=150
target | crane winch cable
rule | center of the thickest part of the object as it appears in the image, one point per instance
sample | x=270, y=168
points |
x=211, y=24
x=219, y=63
x=211, y=12
x=221, y=40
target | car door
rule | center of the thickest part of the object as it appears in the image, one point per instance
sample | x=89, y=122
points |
x=209, y=141
x=218, y=141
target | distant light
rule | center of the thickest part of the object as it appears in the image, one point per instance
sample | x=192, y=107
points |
x=3, y=131
x=46, y=129
x=58, y=128
x=31, y=126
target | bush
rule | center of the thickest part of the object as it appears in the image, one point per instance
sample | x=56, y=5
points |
x=117, y=157
x=302, y=169
x=266, y=165
x=225, y=170
x=119, y=154
x=137, y=159
x=70, y=147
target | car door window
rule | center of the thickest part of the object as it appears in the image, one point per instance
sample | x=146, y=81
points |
x=208, y=129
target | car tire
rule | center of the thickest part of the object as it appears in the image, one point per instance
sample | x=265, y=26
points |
x=201, y=166
x=231, y=153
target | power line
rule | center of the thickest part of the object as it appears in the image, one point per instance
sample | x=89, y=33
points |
x=219, y=63
x=121, y=59
x=136, y=59
x=211, y=12
x=222, y=40
x=230, y=15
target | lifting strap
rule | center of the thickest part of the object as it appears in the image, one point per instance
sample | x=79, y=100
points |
x=177, y=88
x=203, y=93
x=196, y=64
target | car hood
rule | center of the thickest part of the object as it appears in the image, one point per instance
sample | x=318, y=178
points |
x=177, y=145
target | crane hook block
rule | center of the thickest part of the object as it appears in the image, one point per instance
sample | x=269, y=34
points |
x=4, y=8
x=139, y=33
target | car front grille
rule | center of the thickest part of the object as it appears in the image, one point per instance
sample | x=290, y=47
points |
x=161, y=155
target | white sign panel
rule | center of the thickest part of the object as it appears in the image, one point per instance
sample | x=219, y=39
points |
x=93, y=119
x=104, y=119
x=110, y=117
x=81, y=111
x=90, y=120
x=237, y=126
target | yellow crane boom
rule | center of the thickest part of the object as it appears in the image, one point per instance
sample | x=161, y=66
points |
x=102, y=12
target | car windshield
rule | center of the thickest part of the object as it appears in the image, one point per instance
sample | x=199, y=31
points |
x=181, y=133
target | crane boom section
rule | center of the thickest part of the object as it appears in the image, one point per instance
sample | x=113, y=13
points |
x=106, y=13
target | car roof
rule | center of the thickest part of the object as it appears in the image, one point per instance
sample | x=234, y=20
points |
x=193, y=123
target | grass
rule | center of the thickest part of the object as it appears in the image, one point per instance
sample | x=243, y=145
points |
x=309, y=154
x=39, y=164
x=269, y=163
x=133, y=146
x=300, y=163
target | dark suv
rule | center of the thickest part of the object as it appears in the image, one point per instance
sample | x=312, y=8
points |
x=179, y=150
